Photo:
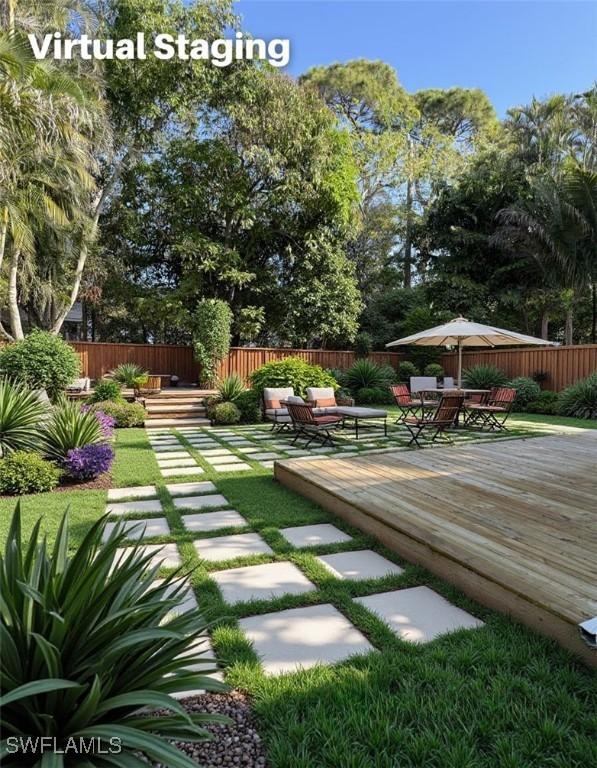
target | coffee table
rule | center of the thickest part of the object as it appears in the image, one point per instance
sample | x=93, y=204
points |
x=358, y=415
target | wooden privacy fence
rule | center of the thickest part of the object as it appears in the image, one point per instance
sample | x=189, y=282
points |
x=563, y=365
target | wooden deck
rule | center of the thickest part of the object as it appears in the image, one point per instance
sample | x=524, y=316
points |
x=511, y=523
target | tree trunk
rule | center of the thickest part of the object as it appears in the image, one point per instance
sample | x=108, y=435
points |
x=545, y=324
x=408, y=236
x=13, y=303
x=3, y=233
x=569, y=329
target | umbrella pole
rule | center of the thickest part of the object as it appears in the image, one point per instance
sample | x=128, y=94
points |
x=459, y=363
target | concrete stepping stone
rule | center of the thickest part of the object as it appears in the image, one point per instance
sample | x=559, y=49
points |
x=251, y=450
x=181, y=471
x=216, y=452
x=418, y=614
x=140, y=529
x=229, y=547
x=166, y=555
x=267, y=464
x=166, y=448
x=265, y=456
x=213, y=521
x=301, y=638
x=168, y=455
x=201, y=502
x=165, y=463
x=188, y=489
x=360, y=565
x=188, y=601
x=126, y=507
x=240, y=467
x=261, y=582
x=135, y=492
x=224, y=459
x=314, y=535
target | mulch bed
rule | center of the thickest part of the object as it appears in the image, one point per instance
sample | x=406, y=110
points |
x=101, y=483
x=233, y=746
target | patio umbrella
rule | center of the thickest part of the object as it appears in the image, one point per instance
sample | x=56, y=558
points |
x=463, y=333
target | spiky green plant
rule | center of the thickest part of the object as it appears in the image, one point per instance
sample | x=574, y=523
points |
x=126, y=373
x=91, y=648
x=69, y=427
x=231, y=388
x=580, y=399
x=21, y=414
x=483, y=377
x=365, y=374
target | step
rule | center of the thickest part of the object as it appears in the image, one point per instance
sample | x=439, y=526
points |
x=175, y=408
x=181, y=394
x=187, y=400
x=181, y=422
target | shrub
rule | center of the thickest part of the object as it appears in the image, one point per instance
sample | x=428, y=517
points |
x=21, y=413
x=547, y=403
x=527, y=390
x=291, y=372
x=580, y=399
x=226, y=413
x=365, y=374
x=540, y=376
x=211, y=336
x=124, y=414
x=210, y=406
x=70, y=427
x=371, y=395
x=41, y=361
x=106, y=389
x=93, y=640
x=89, y=461
x=126, y=373
x=231, y=388
x=434, y=369
x=23, y=472
x=339, y=375
x=363, y=344
x=483, y=377
x=406, y=369
x=248, y=405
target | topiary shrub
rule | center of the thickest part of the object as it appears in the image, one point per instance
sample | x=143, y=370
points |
x=124, y=414
x=248, y=405
x=88, y=462
x=434, y=369
x=226, y=413
x=21, y=413
x=211, y=336
x=41, y=361
x=373, y=395
x=365, y=374
x=527, y=390
x=406, y=369
x=546, y=403
x=580, y=399
x=291, y=372
x=94, y=645
x=483, y=377
x=106, y=389
x=23, y=472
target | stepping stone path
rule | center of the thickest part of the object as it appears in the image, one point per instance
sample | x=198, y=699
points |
x=360, y=565
x=418, y=614
x=314, y=535
x=188, y=601
x=300, y=638
x=213, y=521
x=126, y=507
x=261, y=582
x=137, y=529
x=201, y=502
x=136, y=492
x=185, y=489
x=230, y=547
x=165, y=555
x=181, y=471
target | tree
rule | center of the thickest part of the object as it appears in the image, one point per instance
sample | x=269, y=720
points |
x=211, y=337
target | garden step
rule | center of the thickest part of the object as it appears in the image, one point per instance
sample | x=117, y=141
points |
x=175, y=408
x=187, y=400
x=181, y=421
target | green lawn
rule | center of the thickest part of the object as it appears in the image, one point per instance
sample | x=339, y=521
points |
x=500, y=696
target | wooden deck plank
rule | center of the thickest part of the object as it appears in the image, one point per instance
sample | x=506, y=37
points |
x=514, y=523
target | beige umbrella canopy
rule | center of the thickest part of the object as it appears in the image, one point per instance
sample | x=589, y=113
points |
x=462, y=333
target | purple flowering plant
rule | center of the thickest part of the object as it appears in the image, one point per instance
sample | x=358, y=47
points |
x=89, y=461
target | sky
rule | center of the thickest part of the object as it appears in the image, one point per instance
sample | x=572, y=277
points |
x=512, y=49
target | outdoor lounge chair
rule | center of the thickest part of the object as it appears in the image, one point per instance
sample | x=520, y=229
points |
x=493, y=413
x=406, y=404
x=444, y=417
x=314, y=427
x=274, y=409
x=324, y=400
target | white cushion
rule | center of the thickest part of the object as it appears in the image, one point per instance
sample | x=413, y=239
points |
x=84, y=384
x=417, y=383
x=295, y=399
x=277, y=393
x=320, y=393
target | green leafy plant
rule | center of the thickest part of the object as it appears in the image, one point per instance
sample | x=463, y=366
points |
x=126, y=373
x=41, y=361
x=406, y=369
x=580, y=399
x=434, y=369
x=226, y=413
x=483, y=377
x=211, y=336
x=546, y=403
x=248, y=405
x=24, y=472
x=126, y=414
x=106, y=389
x=21, y=414
x=527, y=390
x=339, y=375
x=365, y=374
x=89, y=640
x=69, y=427
x=371, y=395
x=363, y=344
x=291, y=372
x=140, y=381
x=231, y=388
